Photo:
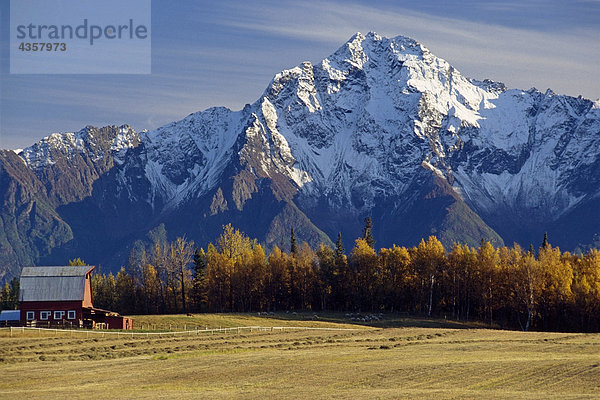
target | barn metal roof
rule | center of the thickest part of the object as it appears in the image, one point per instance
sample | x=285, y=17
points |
x=68, y=270
x=65, y=283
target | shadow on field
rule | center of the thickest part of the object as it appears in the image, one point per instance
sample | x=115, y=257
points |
x=192, y=321
x=376, y=320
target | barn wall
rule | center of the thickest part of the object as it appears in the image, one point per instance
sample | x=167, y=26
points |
x=87, y=292
x=52, y=306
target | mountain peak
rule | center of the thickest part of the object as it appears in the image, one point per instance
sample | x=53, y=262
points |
x=380, y=128
x=359, y=49
x=89, y=141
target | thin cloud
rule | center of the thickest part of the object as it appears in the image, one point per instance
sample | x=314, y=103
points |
x=566, y=62
x=226, y=56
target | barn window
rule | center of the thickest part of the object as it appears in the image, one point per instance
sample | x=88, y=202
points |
x=44, y=315
x=59, y=314
x=71, y=314
x=30, y=315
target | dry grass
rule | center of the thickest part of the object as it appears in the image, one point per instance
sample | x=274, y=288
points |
x=395, y=362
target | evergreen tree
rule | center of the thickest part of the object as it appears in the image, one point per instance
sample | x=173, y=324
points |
x=293, y=246
x=545, y=242
x=339, y=247
x=76, y=262
x=368, y=232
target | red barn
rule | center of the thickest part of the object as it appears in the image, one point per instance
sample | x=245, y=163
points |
x=63, y=296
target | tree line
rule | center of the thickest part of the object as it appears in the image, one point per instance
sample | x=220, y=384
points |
x=508, y=286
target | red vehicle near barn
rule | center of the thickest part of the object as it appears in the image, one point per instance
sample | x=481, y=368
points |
x=62, y=296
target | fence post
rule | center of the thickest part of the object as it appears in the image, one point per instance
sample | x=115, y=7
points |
x=11, y=331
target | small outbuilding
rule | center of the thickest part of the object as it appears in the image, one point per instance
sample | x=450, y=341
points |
x=10, y=317
x=62, y=296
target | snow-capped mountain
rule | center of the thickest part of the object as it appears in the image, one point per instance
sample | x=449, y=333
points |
x=381, y=128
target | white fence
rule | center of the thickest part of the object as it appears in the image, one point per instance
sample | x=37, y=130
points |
x=234, y=330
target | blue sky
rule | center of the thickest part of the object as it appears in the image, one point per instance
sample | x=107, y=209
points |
x=208, y=53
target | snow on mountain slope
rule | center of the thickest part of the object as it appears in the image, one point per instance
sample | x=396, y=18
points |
x=88, y=141
x=378, y=109
x=68, y=164
x=367, y=115
x=186, y=158
x=528, y=153
x=360, y=129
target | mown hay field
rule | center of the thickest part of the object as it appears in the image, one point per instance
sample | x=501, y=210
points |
x=392, y=358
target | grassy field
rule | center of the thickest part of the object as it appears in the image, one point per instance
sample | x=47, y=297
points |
x=392, y=358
